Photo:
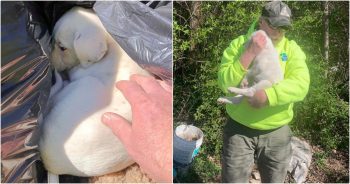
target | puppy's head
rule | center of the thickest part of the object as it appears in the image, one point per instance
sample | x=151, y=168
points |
x=262, y=33
x=78, y=38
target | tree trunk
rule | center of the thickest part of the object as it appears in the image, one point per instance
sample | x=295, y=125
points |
x=195, y=21
x=326, y=31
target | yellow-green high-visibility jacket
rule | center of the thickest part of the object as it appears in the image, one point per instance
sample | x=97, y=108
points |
x=281, y=96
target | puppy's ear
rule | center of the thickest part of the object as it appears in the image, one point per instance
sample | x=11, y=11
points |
x=90, y=45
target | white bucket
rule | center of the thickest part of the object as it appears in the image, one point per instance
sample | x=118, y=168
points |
x=187, y=141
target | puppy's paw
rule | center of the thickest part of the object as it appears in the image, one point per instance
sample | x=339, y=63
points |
x=250, y=92
x=233, y=90
x=244, y=83
x=230, y=100
x=222, y=100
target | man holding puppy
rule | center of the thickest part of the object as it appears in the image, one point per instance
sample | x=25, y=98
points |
x=257, y=128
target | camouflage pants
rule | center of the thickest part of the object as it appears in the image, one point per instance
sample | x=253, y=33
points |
x=270, y=149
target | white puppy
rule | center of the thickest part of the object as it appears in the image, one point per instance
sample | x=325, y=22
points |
x=265, y=71
x=74, y=140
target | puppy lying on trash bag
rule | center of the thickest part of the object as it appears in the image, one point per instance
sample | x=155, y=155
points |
x=74, y=140
x=26, y=170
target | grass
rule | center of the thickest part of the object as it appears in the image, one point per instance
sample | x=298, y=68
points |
x=203, y=169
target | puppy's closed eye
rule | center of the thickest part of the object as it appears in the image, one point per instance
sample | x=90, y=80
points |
x=62, y=48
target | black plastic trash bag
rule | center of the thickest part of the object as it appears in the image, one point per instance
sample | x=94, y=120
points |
x=144, y=31
x=25, y=84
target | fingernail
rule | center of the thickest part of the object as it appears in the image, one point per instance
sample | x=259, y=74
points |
x=106, y=118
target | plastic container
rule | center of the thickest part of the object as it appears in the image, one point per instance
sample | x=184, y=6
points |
x=187, y=141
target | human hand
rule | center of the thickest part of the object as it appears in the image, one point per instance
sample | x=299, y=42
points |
x=148, y=140
x=259, y=99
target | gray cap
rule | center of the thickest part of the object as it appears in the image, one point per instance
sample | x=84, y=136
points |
x=278, y=14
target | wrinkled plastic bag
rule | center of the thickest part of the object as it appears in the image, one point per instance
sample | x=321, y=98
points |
x=301, y=160
x=144, y=33
x=25, y=83
x=26, y=75
x=25, y=86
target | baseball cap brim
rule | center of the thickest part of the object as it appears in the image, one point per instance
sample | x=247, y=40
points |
x=280, y=21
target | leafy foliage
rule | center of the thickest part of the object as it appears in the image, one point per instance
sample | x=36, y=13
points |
x=321, y=118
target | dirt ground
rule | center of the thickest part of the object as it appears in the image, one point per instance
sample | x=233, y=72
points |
x=335, y=169
x=131, y=174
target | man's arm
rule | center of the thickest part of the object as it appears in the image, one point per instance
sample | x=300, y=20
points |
x=231, y=71
x=255, y=45
x=236, y=60
x=296, y=81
